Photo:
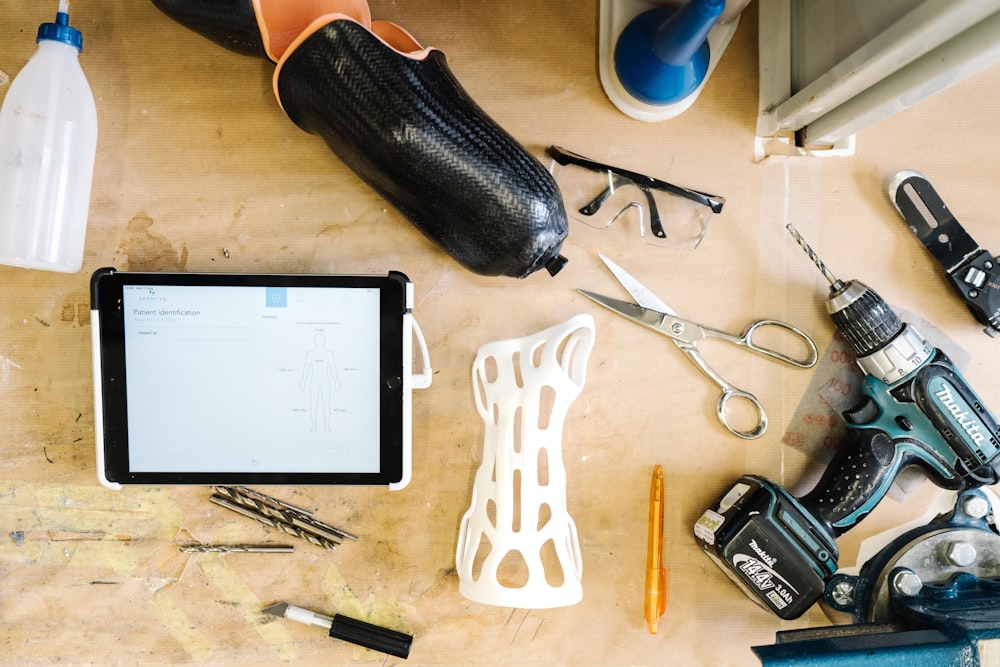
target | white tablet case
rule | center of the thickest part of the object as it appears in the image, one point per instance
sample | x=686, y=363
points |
x=411, y=381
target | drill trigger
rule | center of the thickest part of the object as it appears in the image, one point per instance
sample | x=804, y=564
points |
x=865, y=412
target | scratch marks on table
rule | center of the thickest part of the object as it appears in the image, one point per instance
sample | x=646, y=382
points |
x=7, y=366
x=62, y=525
x=522, y=626
x=443, y=581
x=125, y=538
x=185, y=631
x=236, y=593
x=438, y=289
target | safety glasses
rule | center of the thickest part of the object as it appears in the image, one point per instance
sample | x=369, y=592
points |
x=599, y=195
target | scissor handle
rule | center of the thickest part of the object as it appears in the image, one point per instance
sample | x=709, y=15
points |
x=747, y=341
x=729, y=393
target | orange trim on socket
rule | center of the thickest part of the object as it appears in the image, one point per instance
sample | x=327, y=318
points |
x=401, y=42
x=399, y=39
x=281, y=21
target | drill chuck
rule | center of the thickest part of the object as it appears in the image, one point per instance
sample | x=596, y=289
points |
x=884, y=346
x=862, y=317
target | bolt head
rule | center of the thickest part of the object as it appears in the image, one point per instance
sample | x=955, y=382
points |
x=976, y=506
x=961, y=553
x=906, y=582
x=843, y=593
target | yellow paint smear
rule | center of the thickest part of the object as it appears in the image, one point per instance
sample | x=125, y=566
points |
x=181, y=628
x=234, y=590
x=87, y=526
x=386, y=613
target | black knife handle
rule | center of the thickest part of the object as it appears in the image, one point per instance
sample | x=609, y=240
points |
x=371, y=636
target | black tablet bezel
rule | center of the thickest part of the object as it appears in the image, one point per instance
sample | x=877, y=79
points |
x=112, y=376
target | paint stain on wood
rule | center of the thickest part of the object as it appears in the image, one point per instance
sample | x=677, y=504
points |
x=76, y=312
x=149, y=251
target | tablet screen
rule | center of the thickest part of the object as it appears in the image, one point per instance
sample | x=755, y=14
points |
x=254, y=382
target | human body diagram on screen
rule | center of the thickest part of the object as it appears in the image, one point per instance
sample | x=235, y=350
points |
x=320, y=380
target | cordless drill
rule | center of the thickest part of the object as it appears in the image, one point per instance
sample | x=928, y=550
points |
x=917, y=409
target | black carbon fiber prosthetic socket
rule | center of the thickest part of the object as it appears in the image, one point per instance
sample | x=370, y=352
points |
x=230, y=23
x=408, y=129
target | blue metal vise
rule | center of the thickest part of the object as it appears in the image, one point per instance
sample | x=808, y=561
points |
x=930, y=597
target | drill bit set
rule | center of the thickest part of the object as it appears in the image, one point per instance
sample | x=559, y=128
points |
x=287, y=518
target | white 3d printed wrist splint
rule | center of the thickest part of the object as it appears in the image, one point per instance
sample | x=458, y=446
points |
x=517, y=545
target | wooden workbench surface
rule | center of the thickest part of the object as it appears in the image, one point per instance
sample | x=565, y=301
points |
x=199, y=170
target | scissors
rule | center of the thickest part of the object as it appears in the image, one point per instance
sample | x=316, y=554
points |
x=651, y=312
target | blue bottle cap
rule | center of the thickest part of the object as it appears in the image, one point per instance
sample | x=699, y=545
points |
x=61, y=31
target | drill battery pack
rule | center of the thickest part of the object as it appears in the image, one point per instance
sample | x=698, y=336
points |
x=767, y=543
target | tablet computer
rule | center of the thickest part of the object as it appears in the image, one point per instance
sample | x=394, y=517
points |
x=253, y=379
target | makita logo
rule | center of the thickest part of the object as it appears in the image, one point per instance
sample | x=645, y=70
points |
x=763, y=555
x=958, y=410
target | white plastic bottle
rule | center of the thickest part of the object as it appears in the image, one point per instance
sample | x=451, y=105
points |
x=48, y=142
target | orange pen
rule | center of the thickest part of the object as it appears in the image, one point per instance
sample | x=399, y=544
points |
x=656, y=574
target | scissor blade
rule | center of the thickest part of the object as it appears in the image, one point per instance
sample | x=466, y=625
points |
x=642, y=295
x=645, y=316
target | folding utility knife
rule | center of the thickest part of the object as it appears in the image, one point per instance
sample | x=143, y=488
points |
x=972, y=270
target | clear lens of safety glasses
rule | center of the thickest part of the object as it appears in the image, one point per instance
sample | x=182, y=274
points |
x=599, y=195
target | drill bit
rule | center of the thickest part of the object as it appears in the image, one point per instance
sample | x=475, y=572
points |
x=861, y=316
x=247, y=492
x=282, y=511
x=835, y=282
x=238, y=548
x=300, y=532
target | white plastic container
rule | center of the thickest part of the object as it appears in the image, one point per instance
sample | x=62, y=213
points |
x=48, y=142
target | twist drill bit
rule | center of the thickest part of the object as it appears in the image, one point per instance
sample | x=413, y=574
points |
x=304, y=533
x=835, y=282
x=238, y=548
x=282, y=511
x=861, y=316
x=247, y=492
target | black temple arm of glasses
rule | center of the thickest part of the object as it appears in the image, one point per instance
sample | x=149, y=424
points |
x=565, y=157
x=595, y=204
